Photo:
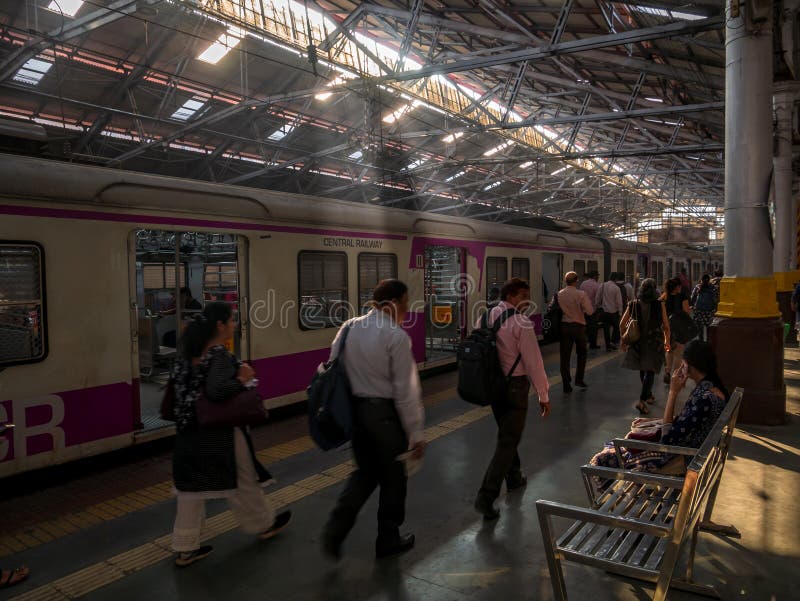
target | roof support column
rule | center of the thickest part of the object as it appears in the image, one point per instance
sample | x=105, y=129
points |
x=747, y=311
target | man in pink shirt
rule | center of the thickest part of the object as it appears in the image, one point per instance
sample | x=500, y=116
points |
x=590, y=286
x=574, y=304
x=521, y=359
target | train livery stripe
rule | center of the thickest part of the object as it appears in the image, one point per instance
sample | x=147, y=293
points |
x=28, y=211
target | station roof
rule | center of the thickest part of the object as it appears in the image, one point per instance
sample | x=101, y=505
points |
x=608, y=114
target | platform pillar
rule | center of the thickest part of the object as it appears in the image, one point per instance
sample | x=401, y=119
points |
x=783, y=261
x=748, y=330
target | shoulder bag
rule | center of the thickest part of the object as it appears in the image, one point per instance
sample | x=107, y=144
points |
x=243, y=409
x=632, y=333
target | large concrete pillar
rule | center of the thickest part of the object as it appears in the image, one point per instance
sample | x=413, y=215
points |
x=784, y=260
x=748, y=331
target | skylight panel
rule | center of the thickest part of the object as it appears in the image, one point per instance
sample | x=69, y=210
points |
x=406, y=108
x=453, y=137
x=496, y=149
x=189, y=109
x=32, y=71
x=224, y=44
x=66, y=7
x=661, y=12
x=281, y=133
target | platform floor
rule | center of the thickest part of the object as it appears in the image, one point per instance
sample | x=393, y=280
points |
x=103, y=533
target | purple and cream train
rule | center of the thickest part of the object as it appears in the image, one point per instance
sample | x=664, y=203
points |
x=92, y=262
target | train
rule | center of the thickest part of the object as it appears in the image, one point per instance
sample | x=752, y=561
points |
x=100, y=268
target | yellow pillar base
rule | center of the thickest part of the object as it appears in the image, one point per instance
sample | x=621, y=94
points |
x=786, y=280
x=748, y=298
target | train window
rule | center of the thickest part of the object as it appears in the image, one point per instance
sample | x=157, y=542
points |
x=23, y=335
x=621, y=266
x=161, y=276
x=592, y=266
x=323, y=289
x=496, y=275
x=372, y=268
x=521, y=268
x=579, y=267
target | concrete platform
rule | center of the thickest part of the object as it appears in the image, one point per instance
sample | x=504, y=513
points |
x=457, y=556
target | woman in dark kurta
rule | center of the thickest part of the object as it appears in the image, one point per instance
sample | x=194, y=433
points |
x=646, y=355
x=692, y=425
x=212, y=463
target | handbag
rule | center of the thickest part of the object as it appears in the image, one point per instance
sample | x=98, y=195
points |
x=632, y=333
x=243, y=409
x=167, y=409
x=682, y=327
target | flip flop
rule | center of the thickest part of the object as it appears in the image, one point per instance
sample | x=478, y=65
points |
x=187, y=559
x=12, y=577
x=642, y=407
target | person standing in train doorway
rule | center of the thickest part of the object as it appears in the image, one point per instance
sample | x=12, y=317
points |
x=575, y=305
x=609, y=305
x=521, y=359
x=590, y=286
x=387, y=420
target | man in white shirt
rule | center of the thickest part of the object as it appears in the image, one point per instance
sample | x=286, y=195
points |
x=609, y=299
x=388, y=417
x=590, y=286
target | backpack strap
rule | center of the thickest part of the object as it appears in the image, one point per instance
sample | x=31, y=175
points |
x=513, y=367
x=502, y=319
x=340, y=350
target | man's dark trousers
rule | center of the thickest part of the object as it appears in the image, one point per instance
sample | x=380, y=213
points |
x=510, y=416
x=573, y=333
x=378, y=438
x=610, y=328
x=591, y=330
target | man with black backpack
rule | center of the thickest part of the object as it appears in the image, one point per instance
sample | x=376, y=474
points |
x=520, y=363
x=387, y=420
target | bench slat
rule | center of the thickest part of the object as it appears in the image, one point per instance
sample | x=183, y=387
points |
x=627, y=551
x=573, y=537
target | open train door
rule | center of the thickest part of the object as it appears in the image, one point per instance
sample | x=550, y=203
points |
x=173, y=275
x=552, y=275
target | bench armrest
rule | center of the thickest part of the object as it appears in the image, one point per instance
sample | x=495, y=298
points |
x=613, y=473
x=643, y=445
x=548, y=508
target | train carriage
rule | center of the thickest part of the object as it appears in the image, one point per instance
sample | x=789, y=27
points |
x=94, y=264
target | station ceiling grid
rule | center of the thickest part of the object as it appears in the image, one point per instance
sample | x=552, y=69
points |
x=608, y=114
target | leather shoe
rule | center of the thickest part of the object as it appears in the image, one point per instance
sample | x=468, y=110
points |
x=567, y=388
x=516, y=482
x=403, y=544
x=486, y=508
x=581, y=384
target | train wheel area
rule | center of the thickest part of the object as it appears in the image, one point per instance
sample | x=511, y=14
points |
x=107, y=535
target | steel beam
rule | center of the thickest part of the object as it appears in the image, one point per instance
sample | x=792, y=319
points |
x=571, y=47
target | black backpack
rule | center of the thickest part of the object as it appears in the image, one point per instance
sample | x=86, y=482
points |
x=624, y=292
x=551, y=322
x=480, y=378
x=330, y=411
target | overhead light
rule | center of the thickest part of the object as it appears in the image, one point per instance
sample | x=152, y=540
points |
x=653, y=99
x=577, y=181
x=356, y=155
x=224, y=44
x=32, y=71
x=456, y=176
x=557, y=171
x=453, y=137
x=526, y=164
x=416, y=164
x=494, y=185
x=66, y=7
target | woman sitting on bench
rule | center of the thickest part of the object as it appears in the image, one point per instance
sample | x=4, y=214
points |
x=689, y=428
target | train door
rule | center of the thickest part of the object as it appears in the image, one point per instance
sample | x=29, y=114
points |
x=445, y=301
x=642, y=270
x=173, y=276
x=552, y=274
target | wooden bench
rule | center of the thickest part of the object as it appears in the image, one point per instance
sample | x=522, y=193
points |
x=638, y=526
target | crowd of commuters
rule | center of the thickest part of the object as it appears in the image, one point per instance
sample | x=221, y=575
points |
x=388, y=415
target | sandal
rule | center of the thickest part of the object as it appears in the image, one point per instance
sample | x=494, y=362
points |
x=188, y=558
x=281, y=521
x=650, y=400
x=642, y=407
x=12, y=577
